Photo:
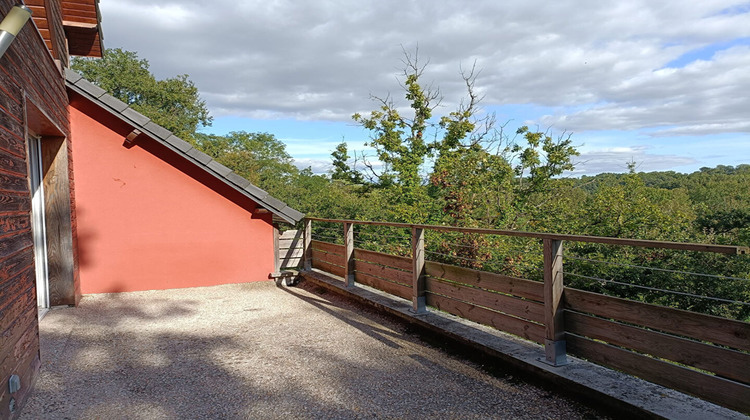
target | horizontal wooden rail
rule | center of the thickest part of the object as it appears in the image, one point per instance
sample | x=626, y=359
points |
x=528, y=289
x=728, y=393
x=684, y=246
x=500, y=321
x=726, y=332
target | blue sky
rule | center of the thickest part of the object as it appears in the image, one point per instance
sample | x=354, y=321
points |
x=664, y=84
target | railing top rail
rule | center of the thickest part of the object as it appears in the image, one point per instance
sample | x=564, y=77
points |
x=720, y=249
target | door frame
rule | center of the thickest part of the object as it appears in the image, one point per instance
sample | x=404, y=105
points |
x=38, y=221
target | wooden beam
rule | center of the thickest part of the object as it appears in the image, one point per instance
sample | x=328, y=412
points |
x=80, y=25
x=130, y=138
x=349, y=254
x=554, y=329
x=720, y=249
x=418, y=274
x=307, y=249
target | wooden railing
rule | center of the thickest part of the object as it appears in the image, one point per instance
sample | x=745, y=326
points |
x=703, y=355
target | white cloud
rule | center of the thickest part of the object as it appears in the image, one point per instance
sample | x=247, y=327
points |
x=318, y=166
x=617, y=159
x=600, y=65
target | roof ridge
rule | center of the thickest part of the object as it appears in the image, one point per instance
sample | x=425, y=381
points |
x=124, y=112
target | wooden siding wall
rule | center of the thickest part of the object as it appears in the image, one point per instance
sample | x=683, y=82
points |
x=48, y=17
x=27, y=73
x=290, y=250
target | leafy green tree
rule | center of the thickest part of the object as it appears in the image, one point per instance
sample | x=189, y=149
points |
x=399, y=141
x=173, y=103
x=259, y=157
x=341, y=168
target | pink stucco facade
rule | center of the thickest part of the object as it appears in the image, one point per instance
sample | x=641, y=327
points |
x=148, y=219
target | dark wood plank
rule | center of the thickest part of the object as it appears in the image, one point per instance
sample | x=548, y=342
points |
x=328, y=267
x=13, y=164
x=11, y=244
x=14, y=265
x=14, y=202
x=12, y=182
x=15, y=303
x=727, y=332
x=724, y=362
x=502, y=303
x=393, y=288
x=9, y=336
x=17, y=330
x=502, y=322
x=19, y=341
x=721, y=391
x=491, y=281
x=329, y=258
x=384, y=272
x=14, y=223
x=328, y=247
x=389, y=260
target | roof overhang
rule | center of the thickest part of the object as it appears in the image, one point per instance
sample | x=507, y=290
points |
x=82, y=24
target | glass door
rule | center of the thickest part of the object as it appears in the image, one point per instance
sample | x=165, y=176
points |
x=38, y=227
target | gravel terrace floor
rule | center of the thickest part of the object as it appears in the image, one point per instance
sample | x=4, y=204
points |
x=257, y=351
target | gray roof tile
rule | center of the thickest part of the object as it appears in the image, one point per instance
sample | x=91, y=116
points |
x=218, y=168
x=178, y=143
x=199, y=156
x=160, y=134
x=157, y=130
x=90, y=88
x=135, y=116
x=292, y=213
x=72, y=76
x=238, y=180
x=256, y=192
x=275, y=203
x=113, y=102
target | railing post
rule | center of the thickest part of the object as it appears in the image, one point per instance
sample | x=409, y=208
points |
x=349, y=254
x=554, y=343
x=417, y=254
x=307, y=245
x=276, y=257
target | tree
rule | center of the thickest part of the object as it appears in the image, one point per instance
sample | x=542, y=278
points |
x=259, y=157
x=341, y=169
x=173, y=103
x=399, y=141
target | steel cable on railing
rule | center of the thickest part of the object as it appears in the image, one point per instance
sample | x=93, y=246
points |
x=657, y=289
x=659, y=269
x=453, y=256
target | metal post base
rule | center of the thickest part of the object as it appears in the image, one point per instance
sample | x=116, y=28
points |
x=554, y=352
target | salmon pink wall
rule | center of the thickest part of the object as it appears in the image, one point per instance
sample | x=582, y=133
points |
x=148, y=219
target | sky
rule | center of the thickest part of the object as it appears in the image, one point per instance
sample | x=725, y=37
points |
x=664, y=84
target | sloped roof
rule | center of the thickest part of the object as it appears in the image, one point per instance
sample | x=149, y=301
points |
x=119, y=109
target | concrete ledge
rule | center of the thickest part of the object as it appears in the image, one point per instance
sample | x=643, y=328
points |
x=620, y=393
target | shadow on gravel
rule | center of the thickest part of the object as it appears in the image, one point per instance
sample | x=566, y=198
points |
x=381, y=334
x=253, y=351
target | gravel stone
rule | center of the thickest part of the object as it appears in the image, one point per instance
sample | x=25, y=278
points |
x=258, y=351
